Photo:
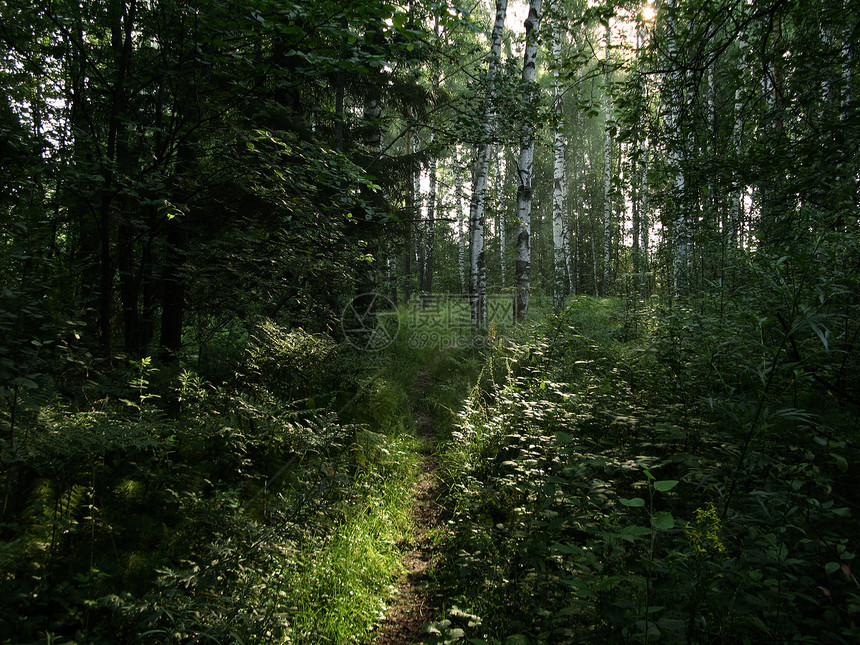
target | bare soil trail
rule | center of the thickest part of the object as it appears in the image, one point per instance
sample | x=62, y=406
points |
x=413, y=605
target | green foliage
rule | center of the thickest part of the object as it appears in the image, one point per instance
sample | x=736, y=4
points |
x=227, y=513
x=201, y=186
x=292, y=364
x=680, y=484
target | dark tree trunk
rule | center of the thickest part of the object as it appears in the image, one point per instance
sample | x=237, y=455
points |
x=173, y=292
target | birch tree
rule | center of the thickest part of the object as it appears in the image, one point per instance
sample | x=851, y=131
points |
x=418, y=226
x=607, y=166
x=410, y=255
x=430, y=230
x=674, y=94
x=639, y=171
x=561, y=246
x=644, y=223
x=736, y=215
x=526, y=164
x=503, y=245
x=478, y=283
x=461, y=221
x=578, y=194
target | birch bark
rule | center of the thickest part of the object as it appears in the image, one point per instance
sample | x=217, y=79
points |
x=675, y=143
x=478, y=282
x=418, y=227
x=644, y=223
x=526, y=164
x=607, y=170
x=561, y=251
x=736, y=198
x=503, y=255
x=579, y=196
x=409, y=255
x=461, y=223
x=430, y=231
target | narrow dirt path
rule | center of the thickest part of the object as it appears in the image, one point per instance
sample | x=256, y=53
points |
x=413, y=604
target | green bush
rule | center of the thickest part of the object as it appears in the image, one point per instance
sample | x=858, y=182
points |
x=263, y=508
x=657, y=486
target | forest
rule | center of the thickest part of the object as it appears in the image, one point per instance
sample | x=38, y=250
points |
x=486, y=322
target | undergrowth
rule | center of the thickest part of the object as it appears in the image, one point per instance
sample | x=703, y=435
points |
x=638, y=472
x=262, y=503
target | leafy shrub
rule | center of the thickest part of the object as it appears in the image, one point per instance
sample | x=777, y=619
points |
x=171, y=509
x=657, y=487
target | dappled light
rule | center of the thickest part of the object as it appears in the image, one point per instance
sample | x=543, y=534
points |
x=512, y=322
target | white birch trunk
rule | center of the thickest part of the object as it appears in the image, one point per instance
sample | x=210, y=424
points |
x=634, y=205
x=737, y=190
x=461, y=222
x=673, y=123
x=418, y=228
x=566, y=246
x=595, y=254
x=479, y=189
x=409, y=255
x=579, y=196
x=768, y=190
x=827, y=39
x=644, y=222
x=716, y=197
x=607, y=170
x=392, y=276
x=524, y=189
x=561, y=251
x=848, y=58
x=636, y=185
x=576, y=273
x=430, y=233
x=736, y=199
x=478, y=286
x=503, y=255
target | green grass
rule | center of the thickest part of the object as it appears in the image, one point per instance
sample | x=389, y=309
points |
x=342, y=589
x=345, y=581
